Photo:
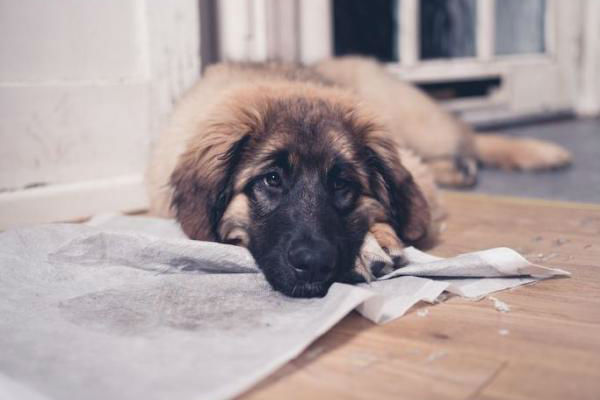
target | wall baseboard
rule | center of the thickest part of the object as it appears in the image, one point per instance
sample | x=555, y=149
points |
x=73, y=201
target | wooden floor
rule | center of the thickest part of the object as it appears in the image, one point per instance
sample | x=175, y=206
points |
x=546, y=347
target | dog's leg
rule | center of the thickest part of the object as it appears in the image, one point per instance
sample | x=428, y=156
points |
x=520, y=153
x=233, y=227
x=380, y=254
x=390, y=243
x=453, y=171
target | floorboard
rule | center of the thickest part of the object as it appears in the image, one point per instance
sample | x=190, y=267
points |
x=547, y=345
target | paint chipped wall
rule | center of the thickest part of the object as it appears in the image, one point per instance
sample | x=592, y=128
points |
x=85, y=87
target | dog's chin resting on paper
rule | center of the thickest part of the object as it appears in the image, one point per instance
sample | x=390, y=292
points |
x=300, y=164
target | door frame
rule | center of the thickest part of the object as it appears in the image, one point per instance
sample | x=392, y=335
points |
x=562, y=79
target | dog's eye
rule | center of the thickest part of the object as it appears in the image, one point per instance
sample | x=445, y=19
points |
x=339, y=184
x=272, y=179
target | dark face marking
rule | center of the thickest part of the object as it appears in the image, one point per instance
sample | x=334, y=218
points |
x=302, y=231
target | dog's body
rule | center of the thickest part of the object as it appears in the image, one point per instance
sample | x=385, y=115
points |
x=299, y=164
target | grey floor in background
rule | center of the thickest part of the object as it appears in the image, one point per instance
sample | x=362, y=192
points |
x=579, y=182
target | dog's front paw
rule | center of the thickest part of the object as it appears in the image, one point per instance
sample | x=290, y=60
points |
x=398, y=258
x=386, y=239
x=381, y=253
x=454, y=171
x=373, y=261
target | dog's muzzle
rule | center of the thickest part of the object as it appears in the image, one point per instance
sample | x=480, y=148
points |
x=312, y=260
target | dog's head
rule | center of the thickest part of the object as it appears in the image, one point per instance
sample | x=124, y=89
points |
x=297, y=175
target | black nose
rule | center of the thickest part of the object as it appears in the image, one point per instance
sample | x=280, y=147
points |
x=312, y=260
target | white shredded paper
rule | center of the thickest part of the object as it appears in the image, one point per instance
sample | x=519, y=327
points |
x=127, y=307
x=423, y=313
x=499, y=305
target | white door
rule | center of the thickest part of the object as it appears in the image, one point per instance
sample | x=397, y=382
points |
x=488, y=59
x=521, y=53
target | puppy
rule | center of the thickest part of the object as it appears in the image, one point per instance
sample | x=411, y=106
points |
x=313, y=168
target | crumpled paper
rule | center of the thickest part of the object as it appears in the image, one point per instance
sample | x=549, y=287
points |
x=127, y=307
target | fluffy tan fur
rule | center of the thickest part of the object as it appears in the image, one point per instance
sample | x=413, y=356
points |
x=230, y=102
x=449, y=146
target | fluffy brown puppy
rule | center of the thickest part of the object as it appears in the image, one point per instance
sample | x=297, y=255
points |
x=294, y=164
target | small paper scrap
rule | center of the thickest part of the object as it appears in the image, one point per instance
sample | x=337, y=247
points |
x=499, y=305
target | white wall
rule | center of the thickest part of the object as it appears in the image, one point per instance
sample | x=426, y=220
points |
x=84, y=88
x=589, y=84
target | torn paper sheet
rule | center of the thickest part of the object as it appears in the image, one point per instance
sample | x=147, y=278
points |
x=470, y=275
x=492, y=263
x=394, y=297
x=128, y=307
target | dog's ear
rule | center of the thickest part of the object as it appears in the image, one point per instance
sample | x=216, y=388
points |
x=202, y=182
x=394, y=187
